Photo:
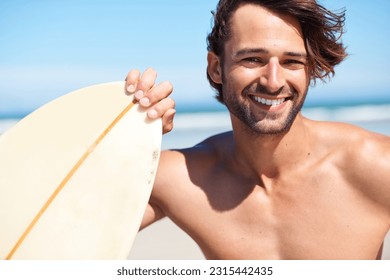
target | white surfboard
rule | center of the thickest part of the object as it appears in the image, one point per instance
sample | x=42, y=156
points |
x=76, y=176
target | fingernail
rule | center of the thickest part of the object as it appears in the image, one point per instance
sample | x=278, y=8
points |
x=144, y=101
x=139, y=94
x=130, y=88
x=152, y=114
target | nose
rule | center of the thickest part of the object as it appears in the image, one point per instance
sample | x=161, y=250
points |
x=273, y=76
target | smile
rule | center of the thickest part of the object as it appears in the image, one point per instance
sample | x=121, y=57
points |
x=269, y=102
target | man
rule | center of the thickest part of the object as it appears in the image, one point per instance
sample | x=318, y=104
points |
x=279, y=186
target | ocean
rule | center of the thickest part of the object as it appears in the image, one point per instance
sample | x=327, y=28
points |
x=191, y=126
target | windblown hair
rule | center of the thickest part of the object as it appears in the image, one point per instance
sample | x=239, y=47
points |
x=322, y=31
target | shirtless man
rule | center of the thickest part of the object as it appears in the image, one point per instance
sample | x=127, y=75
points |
x=279, y=186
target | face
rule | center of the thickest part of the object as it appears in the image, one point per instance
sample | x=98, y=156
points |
x=264, y=72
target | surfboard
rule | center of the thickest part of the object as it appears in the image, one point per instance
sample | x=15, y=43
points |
x=76, y=176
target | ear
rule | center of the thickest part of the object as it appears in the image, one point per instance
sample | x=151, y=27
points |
x=214, y=68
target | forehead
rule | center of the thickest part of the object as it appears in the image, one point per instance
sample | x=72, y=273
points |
x=253, y=26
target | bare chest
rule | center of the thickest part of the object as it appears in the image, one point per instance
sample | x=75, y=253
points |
x=309, y=220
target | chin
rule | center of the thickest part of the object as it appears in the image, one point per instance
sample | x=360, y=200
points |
x=262, y=130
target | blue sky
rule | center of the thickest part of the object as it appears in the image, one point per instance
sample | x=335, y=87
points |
x=49, y=48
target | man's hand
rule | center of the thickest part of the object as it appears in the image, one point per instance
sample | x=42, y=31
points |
x=152, y=96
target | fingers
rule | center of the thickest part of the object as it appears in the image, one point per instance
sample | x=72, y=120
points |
x=152, y=96
x=147, y=80
x=164, y=109
x=144, y=88
x=132, y=80
x=156, y=93
x=140, y=84
x=159, y=109
x=167, y=120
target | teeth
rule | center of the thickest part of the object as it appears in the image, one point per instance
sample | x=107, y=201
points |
x=269, y=102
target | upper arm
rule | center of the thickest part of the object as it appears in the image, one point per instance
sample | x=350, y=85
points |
x=372, y=171
x=164, y=183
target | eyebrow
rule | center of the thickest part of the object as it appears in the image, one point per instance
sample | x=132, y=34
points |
x=296, y=54
x=247, y=51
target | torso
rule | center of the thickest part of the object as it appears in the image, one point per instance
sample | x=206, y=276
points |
x=310, y=212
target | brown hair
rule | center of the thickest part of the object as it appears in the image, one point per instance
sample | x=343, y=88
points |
x=322, y=31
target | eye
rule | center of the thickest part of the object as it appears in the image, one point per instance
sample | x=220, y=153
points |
x=294, y=61
x=252, y=61
x=294, y=64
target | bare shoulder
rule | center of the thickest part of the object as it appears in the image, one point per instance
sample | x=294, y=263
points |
x=203, y=153
x=362, y=156
x=355, y=142
x=179, y=170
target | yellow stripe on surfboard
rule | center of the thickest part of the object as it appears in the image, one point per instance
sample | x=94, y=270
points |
x=63, y=183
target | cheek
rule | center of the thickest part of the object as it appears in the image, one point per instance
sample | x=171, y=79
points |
x=239, y=78
x=300, y=80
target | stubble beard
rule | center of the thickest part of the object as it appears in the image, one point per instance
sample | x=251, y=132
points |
x=259, y=122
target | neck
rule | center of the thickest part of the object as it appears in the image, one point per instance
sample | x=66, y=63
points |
x=269, y=155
